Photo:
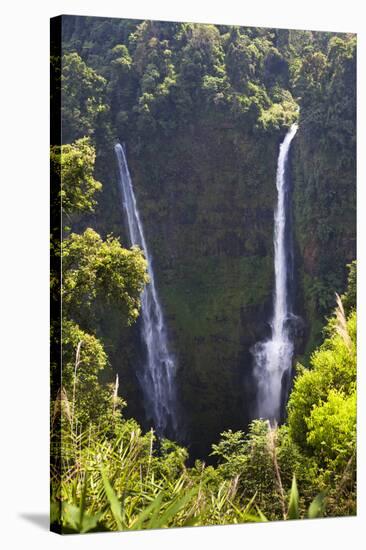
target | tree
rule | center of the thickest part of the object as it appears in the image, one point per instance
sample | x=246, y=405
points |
x=332, y=430
x=309, y=77
x=249, y=457
x=242, y=60
x=202, y=60
x=82, y=99
x=333, y=370
x=93, y=268
x=84, y=361
x=74, y=164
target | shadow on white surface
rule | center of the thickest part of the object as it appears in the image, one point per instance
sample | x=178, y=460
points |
x=40, y=520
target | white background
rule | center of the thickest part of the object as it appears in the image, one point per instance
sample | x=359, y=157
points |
x=24, y=317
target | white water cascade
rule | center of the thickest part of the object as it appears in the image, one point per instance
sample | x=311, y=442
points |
x=273, y=358
x=157, y=377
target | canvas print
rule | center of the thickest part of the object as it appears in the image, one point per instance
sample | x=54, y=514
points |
x=203, y=274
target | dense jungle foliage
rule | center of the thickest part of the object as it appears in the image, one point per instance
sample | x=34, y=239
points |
x=202, y=109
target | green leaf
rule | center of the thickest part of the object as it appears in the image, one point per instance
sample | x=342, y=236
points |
x=71, y=520
x=261, y=515
x=293, y=508
x=113, y=501
x=70, y=516
x=83, y=501
x=91, y=522
x=173, y=509
x=55, y=512
x=316, y=508
x=153, y=508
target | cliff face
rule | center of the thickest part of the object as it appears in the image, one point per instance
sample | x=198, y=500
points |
x=206, y=201
x=324, y=210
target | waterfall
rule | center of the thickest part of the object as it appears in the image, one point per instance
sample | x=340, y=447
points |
x=157, y=377
x=273, y=358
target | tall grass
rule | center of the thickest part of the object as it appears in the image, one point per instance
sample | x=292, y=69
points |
x=116, y=483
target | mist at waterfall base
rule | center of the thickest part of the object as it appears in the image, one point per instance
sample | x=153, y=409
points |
x=157, y=375
x=273, y=357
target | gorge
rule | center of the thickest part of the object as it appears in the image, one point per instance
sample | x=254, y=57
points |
x=203, y=109
x=273, y=357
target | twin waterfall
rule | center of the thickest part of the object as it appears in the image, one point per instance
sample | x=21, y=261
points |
x=158, y=372
x=273, y=358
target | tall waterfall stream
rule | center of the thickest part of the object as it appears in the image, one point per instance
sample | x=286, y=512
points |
x=273, y=358
x=157, y=377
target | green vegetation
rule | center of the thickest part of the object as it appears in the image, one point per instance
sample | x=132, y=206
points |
x=93, y=267
x=111, y=476
x=82, y=95
x=324, y=170
x=107, y=475
x=74, y=164
x=202, y=109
